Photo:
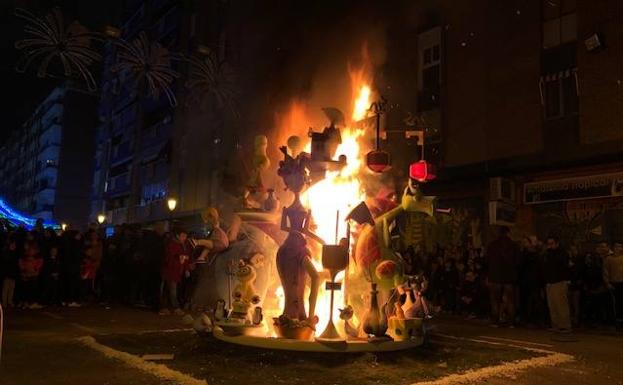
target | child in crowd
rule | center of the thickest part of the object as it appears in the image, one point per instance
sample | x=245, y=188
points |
x=176, y=265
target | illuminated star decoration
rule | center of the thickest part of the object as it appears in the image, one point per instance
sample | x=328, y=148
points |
x=211, y=80
x=148, y=64
x=49, y=39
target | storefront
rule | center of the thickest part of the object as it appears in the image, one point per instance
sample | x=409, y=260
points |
x=579, y=209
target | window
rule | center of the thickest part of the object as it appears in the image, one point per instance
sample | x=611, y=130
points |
x=429, y=74
x=559, y=22
x=559, y=94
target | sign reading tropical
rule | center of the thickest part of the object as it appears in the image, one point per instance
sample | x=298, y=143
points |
x=568, y=189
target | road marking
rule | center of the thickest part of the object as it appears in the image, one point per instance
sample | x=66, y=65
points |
x=166, y=331
x=52, y=315
x=158, y=370
x=74, y=324
x=83, y=328
x=517, y=341
x=505, y=369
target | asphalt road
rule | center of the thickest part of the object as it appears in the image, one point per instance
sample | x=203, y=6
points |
x=97, y=345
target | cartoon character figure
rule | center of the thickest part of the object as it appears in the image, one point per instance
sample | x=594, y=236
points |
x=294, y=265
x=346, y=315
x=294, y=173
x=376, y=257
x=261, y=162
x=240, y=308
x=246, y=278
x=257, y=316
x=220, y=313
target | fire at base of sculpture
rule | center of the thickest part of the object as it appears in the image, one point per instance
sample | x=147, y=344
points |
x=373, y=314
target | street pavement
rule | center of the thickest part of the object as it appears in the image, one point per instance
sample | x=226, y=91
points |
x=48, y=347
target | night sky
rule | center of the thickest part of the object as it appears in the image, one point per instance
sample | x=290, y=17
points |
x=22, y=92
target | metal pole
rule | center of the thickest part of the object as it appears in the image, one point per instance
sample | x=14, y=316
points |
x=337, y=225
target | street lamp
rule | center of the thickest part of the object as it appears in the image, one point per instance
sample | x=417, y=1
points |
x=63, y=226
x=172, y=204
x=101, y=218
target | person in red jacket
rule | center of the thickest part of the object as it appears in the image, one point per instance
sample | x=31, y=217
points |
x=176, y=264
x=29, y=267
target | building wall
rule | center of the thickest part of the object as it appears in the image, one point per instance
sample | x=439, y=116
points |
x=131, y=175
x=75, y=164
x=601, y=72
x=45, y=165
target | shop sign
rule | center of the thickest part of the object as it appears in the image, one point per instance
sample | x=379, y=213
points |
x=569, y=189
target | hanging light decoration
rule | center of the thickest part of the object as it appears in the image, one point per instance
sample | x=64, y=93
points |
x=17, y=219
x=211, y=80
x=49, y=39
x=149, y=65
x=378, y=160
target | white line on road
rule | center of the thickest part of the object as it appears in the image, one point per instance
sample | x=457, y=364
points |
x=158, y=370
x=52, y=315
x=166, y=331
x=516, y=341
x=83, y=328
x=505, y=369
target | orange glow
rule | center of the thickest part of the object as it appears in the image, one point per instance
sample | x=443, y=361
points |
x=333, y=197
x=362, y=104
x=360, y=81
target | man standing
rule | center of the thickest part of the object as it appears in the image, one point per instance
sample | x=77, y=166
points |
x=503, y=261
x=597, y=305
x=556, y=274
x=152, y=248
x=613, y=278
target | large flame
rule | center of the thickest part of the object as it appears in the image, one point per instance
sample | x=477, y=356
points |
x=332, y=198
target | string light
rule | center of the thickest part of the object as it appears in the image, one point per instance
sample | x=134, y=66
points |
x=18, y=219
x=149, y=66
x=49, y=38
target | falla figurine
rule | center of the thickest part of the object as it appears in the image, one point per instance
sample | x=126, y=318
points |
x=220, y=313
x=257, y=316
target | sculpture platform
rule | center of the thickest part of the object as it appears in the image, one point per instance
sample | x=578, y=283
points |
x=351, y=346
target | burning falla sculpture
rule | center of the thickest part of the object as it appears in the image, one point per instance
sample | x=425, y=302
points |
x=298, y=170
x=379, y=264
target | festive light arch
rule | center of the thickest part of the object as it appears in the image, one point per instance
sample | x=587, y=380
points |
x=17, y=219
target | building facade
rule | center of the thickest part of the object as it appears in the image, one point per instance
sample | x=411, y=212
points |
x=525, y=96
x=148, y=149
x=131, y=174
x=508, y=93
x=46, y=165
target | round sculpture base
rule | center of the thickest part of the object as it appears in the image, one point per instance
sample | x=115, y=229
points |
x=350, y=346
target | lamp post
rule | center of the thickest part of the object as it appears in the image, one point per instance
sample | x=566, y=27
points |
x=171, y=204
x=101, y=218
